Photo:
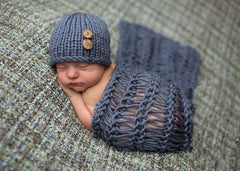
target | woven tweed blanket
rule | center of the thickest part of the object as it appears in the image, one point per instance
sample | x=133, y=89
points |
x=147, y=105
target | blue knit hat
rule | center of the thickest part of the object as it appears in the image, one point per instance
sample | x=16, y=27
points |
x=80, y=37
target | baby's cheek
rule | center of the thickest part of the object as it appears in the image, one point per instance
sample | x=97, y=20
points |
x=61, y=79
x=91, y=79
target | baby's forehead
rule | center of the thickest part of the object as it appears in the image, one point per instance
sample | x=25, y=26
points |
x=73, y=63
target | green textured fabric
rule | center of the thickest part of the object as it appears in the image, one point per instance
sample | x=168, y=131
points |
x=38, y=127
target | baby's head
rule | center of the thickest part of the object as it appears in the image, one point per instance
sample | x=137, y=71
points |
x=80, y=50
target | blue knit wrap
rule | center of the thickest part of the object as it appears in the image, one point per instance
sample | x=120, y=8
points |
x=139, y=112
x=140, y=47
x=147, y=104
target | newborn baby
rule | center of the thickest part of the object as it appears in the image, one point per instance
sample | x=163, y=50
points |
x=129, y=108
x=84, y=84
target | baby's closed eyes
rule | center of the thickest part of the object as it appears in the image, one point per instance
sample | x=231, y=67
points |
x=78, y=65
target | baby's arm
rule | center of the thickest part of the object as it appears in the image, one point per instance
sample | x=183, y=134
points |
x=79, y=106
x=81, y=110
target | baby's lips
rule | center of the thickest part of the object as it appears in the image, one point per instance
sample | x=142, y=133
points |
x=76, y=84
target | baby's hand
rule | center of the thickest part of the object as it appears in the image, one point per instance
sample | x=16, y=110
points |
x=79, y=106
x=68, y=91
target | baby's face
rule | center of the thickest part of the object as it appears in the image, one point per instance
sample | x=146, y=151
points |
x=79, y=75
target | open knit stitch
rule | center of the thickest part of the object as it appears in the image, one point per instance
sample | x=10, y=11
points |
x=146, y=105
x=137, y=112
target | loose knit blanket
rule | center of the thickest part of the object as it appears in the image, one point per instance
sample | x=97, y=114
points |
x=137, y=112
x=140, y=47
x=141, y=108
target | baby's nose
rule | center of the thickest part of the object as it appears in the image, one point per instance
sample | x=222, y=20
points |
x=72, y=73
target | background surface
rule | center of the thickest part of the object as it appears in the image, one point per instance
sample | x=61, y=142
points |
x=38, y=127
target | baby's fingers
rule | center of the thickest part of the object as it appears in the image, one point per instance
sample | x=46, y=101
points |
x=64, y=89
x=59, y=82
x=68, y=91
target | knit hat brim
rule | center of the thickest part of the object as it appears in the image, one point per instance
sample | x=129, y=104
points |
x=69, y=41
x=78, y=59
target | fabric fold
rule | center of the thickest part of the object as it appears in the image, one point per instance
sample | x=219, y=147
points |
x=141, y=47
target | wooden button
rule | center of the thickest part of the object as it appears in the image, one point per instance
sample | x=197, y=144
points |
x=87, y=33
x=87, y=44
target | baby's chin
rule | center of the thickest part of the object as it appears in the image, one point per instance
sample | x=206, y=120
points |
x=79, y=89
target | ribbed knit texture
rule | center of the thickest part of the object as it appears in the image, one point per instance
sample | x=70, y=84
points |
x=140, y=47
x=147, y=103
x=66, y=43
